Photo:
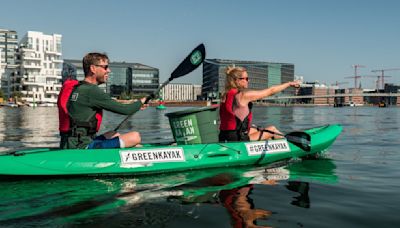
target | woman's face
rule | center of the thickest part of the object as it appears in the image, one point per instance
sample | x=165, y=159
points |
x=243, y=81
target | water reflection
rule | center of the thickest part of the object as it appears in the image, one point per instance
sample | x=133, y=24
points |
x=28, y=127
x=70, y=202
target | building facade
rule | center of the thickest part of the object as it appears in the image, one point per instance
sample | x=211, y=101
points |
x=317, y=89
x=261, y=76
x=8, y=46
x=8, y=59
x=124, y=78
x=145, y=79
x=180, y=92
x=40, y=68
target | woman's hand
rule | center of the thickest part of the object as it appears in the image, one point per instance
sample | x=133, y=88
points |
x=295, y=84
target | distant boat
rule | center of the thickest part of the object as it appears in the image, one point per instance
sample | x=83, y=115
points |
x=11, y=104
x=382, y=104
x=352, y=104
x=161, y=107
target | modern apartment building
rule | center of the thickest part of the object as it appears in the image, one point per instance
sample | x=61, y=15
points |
x=8, y=46
x=40, y=67
x=134, y=78
x=261, y=75
x=8, y=58
x=180, y=92
x=2, y=70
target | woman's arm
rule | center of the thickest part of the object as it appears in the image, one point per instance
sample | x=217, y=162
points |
x=253, y=95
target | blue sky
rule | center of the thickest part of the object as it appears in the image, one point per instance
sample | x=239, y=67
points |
x=322, y=38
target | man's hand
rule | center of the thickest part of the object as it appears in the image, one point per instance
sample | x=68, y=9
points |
x=144, y=106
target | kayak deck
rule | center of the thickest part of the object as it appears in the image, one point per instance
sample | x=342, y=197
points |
x=151, y=159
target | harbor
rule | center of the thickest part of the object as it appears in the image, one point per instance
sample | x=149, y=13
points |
x=354, y=169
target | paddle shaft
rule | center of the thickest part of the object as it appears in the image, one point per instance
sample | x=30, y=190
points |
x=148, y=98
x=190, y=63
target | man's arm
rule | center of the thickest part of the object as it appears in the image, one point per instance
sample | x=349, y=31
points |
x=99, y=99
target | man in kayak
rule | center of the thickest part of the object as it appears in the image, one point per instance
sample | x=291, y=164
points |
x=236, y=103
x=81, y=104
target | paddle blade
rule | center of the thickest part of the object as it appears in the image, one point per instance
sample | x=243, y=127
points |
x=190, y=63
x=300, y=139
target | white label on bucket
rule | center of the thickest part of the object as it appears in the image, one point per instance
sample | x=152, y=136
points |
x=267, y=147
x=151, y=156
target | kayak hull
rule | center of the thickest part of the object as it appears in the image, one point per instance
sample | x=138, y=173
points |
x=151, y=159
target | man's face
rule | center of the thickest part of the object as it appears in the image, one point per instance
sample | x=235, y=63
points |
x=101, y=71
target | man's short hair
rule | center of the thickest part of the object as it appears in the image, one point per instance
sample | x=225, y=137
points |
x=92, y=58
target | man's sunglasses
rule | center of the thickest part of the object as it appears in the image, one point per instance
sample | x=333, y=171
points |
x=105, y=67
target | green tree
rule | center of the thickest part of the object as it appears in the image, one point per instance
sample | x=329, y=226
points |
x=126, y=95
x=2, y=95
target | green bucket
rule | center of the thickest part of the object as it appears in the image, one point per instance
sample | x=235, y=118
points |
x=193, y=126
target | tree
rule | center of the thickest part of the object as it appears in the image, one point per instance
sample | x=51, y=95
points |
x=2, y=95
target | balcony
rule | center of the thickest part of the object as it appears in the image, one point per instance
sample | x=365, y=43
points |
x=31, y=58
x=53, y=76
x=26, y=66
x=58, y=60
x=52, y=52
x=52, y=92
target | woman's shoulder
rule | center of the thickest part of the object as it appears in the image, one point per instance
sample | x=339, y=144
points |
x=232, y=92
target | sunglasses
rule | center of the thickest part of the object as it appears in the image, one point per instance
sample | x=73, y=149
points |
x=247, y=79
x=105, y=67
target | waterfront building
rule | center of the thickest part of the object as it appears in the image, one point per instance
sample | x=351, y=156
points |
x=316, y=89
x=145, y=79
x=197, y=92
x=124, y=78
x=391, y=88
x=261, y=75
x=40, y=68
x=181, y=92
x=356, y=100
x=8, y=59
x=2, y=70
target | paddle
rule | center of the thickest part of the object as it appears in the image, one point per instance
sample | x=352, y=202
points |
x=298, y=138
x=190, y=63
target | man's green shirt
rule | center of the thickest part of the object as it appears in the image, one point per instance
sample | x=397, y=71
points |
x=88, y=98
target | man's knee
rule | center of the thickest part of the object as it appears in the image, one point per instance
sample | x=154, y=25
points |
x=136, y=137
x=131, y=139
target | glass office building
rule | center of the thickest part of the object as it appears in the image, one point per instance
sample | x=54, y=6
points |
x=261, y=75
x=130, y=78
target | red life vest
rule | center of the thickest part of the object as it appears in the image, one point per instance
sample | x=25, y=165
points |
x=227, y=117
x=62, y=103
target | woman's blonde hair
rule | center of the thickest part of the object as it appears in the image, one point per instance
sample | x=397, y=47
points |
x=233, y=73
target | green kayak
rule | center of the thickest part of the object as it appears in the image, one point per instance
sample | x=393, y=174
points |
x=151, y=159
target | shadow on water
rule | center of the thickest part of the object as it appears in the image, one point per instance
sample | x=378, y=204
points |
x=157, y=200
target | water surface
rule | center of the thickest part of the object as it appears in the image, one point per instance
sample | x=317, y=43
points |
x=355, y=184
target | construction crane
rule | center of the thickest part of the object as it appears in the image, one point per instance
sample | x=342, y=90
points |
x=339, y=83
x=377, y=81
x=356, y=77
x=382, y=77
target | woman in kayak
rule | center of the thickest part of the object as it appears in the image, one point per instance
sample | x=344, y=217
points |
x=236, y=104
